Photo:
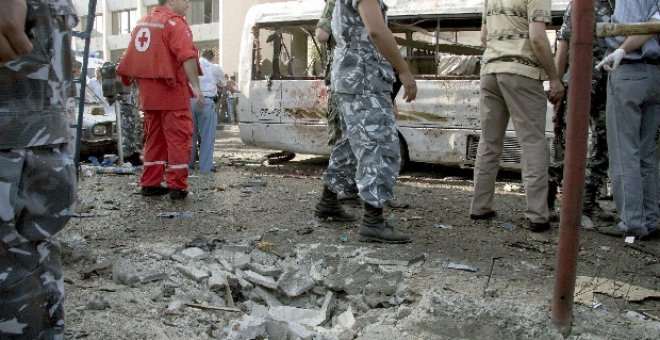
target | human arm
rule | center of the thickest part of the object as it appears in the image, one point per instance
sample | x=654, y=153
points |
x=14, y=42
x=231, y=87
x=561, y=57
x=633, y=42
x=383, y=40
x=323, y=28
x=541, y=47
x=190, y=67
x=321, y=35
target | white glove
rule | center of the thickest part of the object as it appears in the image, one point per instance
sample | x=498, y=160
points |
x=612, y=61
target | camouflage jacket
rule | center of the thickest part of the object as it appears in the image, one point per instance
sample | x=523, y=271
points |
x=33, y=89
x=604, y=10
x=358, y=67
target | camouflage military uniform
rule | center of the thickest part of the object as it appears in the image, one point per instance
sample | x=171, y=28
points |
x=368, y=151
x=37, y=177
x=334, y=124
x=131, y=126
x=597, y=166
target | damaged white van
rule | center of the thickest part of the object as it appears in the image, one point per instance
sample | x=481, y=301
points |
x=283, y=104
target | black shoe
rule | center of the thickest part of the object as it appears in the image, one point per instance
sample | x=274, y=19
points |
x=553, y=216
x=538, y=227
x=484, y=216
x=328, y=208
x=597, y=213
x=178, y=194
x=154, y=191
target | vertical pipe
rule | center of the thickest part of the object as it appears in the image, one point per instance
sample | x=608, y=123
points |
x=577, y=120
x=86, y=35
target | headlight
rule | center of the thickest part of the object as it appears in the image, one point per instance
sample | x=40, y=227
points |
x=100, y=130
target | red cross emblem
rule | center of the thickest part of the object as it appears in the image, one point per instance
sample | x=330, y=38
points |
x=142, y=39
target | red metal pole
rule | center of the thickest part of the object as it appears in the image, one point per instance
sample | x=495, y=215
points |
x=577, y=124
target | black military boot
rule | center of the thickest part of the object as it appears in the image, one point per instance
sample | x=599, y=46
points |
x=552, y=199
x=349, y=196
x=592, y=209
x=329, y=207
x=373, y=227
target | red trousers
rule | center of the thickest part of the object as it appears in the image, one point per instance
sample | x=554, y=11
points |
x=167, y=146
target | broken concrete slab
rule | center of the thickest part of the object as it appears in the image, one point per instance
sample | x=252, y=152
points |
x=350, y=277
x=294, y=283
x=258, y=279
x=193, y=253
x=266, y=270
x=303, y=316
x=267, y=297
x=193, y=273
x=217, y=281
x=380, y=291
x=124, y=272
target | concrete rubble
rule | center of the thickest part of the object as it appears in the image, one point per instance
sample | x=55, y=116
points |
x=315, y=292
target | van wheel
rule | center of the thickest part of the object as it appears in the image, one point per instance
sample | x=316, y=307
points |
x=405, y=156
x=279, y=157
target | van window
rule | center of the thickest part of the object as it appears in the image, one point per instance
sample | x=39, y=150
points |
x=287, y=52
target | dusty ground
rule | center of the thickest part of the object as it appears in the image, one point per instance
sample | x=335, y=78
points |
x=248, y=205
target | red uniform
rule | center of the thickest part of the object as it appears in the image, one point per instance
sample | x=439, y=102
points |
x=160, y=43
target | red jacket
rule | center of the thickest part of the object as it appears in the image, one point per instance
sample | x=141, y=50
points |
x=160, y=43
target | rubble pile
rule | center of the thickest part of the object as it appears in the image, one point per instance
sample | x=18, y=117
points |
x=315, y=293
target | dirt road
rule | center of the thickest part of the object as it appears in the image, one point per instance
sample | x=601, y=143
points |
x=244, y=258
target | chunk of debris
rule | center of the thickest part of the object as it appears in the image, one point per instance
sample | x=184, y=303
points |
x=458, y=266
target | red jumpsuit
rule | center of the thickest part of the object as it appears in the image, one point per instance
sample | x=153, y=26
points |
x=160, y=43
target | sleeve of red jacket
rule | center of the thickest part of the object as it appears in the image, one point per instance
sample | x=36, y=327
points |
x=180, y=41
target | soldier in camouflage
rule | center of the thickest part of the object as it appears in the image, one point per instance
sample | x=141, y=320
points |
x=362, y=77
x=37, y=172
x=596, y=177
x=324, y=35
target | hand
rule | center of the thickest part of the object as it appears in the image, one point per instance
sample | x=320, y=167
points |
x=200, y=98
x=612, y=61
x=409, y=86
x=556, y=92
x=14, y=42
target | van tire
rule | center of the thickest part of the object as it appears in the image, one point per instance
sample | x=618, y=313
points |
x=279, y=157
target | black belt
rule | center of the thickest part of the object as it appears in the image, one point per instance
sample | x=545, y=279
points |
x=209, y=97
x=648, y=61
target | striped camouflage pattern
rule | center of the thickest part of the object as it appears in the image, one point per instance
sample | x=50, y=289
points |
x=357, y=67
x=131, y=123
x=37, y=177
x=368, y=154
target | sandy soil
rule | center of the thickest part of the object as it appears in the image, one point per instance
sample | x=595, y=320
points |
x=247, y=203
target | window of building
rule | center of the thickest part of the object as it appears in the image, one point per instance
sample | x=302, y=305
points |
x=124, y=21
x=202, y=12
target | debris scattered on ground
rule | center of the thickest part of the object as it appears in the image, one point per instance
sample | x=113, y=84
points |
x=458, y=266
x=586, y=287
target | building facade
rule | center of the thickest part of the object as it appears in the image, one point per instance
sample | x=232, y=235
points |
x=216, y=24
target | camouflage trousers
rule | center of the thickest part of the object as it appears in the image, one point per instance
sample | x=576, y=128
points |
x=367, y=155
x=37, y=187
x=32, y=290
x=598, y=160
x=334, y=123
x=131, y=129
